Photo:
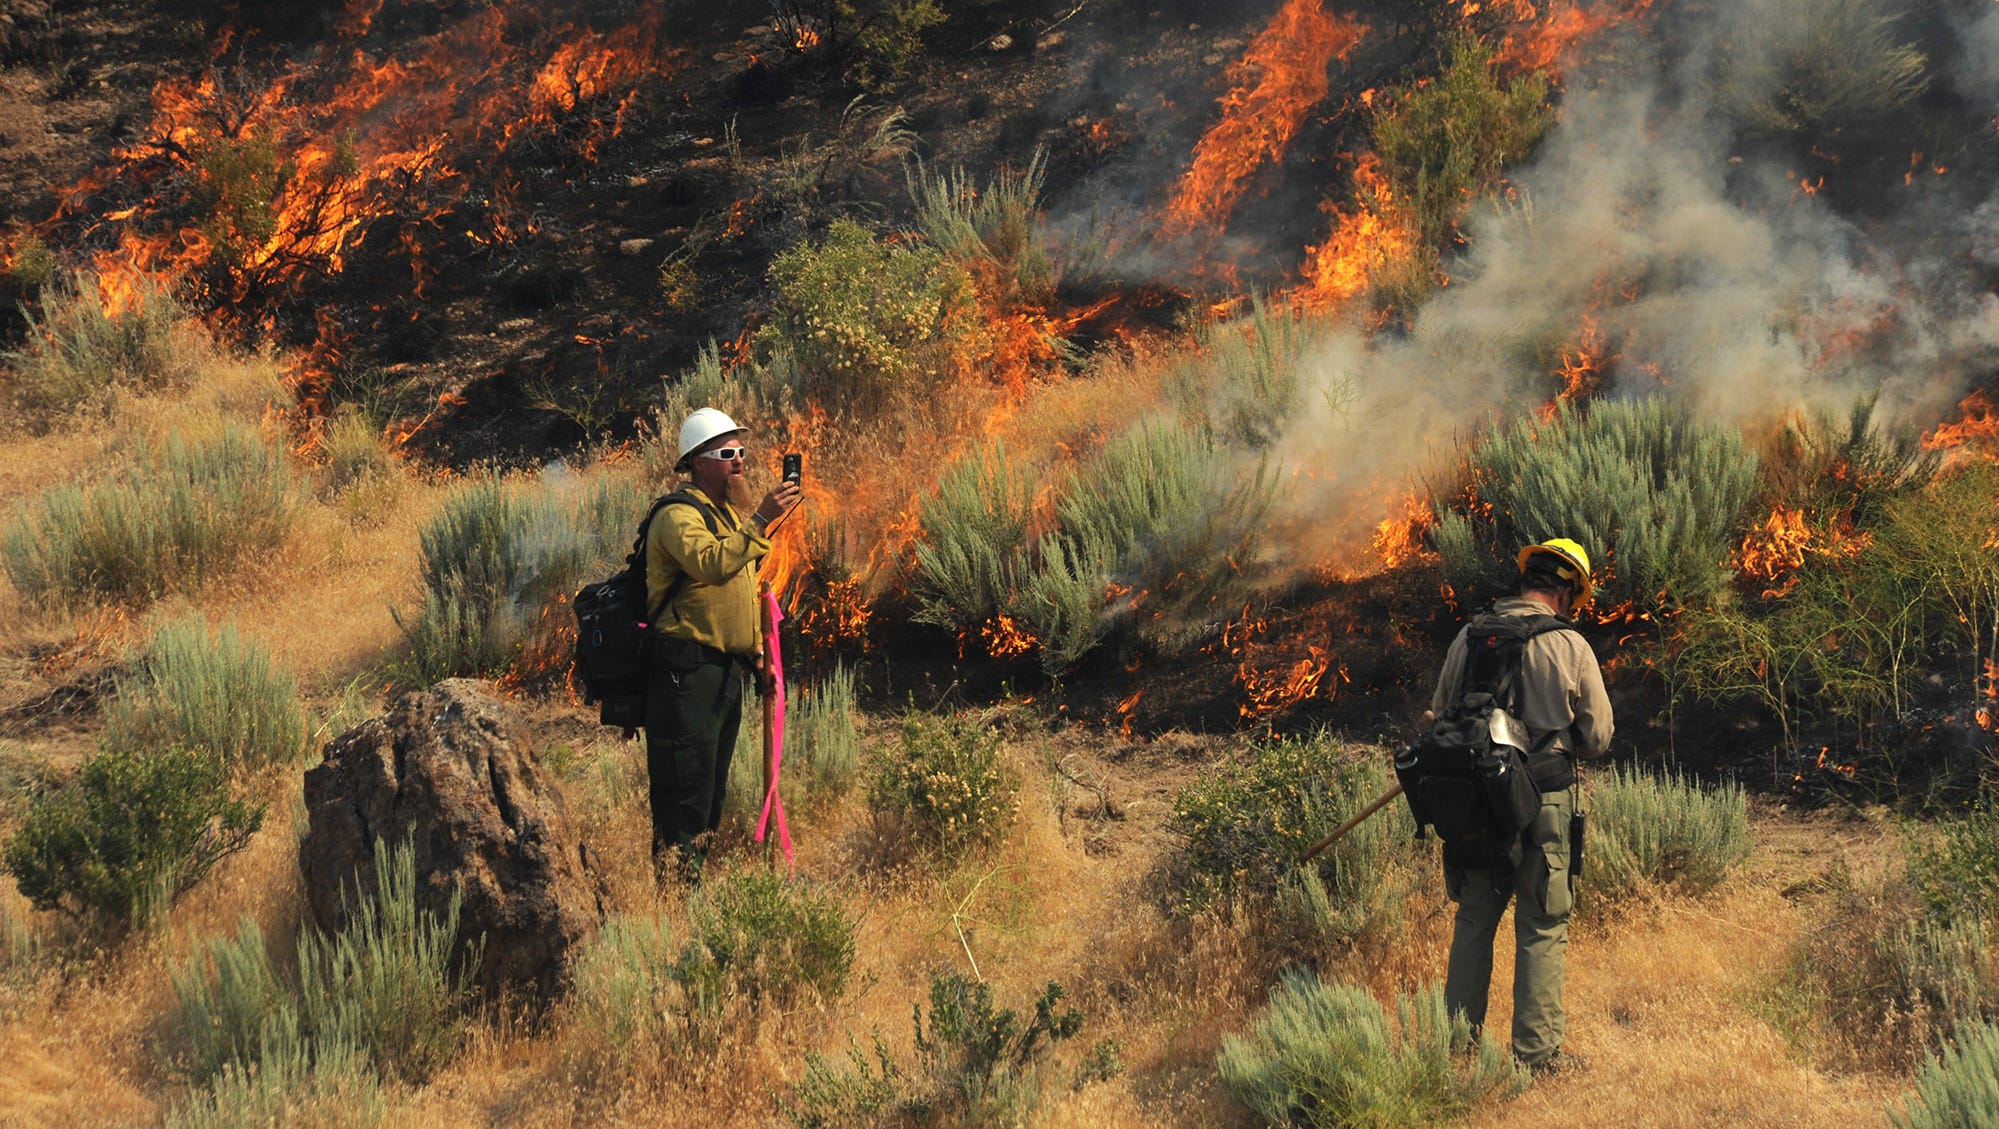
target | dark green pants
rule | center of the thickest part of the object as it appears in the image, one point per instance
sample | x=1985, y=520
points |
x=691, y=721
x=1540, y=932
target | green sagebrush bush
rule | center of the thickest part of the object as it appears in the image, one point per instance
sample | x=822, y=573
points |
x=380, y=992
x=1446, y=144
x=972, y=540
x=766, y=939
x=285, y=1087
x=1651, y=492
x=996, y=228
x=135, y=828
x=1153, y=532
x=1240, y=382
x=215, y=692
x=1661, y=829
x=945, y=786
x=497, y=560
x=184, y=511
x=627, y=982
x=1246, y=824
x=78, y=347
x=865, y=320
x=1959, y=1088
x=976, y=1064
x=1843, y=66
x=1329, y=1055
x=1955, y=869
x=822, y=749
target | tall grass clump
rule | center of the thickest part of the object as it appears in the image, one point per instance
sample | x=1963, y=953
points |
x=184, y=512
x=334, y=1091
x=1659, y=830
x=970, y=552
x=627, y=982
x=1245, y=825
x=212, y=691
x=494, y=561
x=134, y=830
x=1652, y=492
x=945, y=788
x=1160, y=519
x=822, y=738
x=1955, y=869
x=380, y=990
x=1240, y=384
x=1959, y=1088
x=1329, y=1055
x=384, y=981
x=79, y=346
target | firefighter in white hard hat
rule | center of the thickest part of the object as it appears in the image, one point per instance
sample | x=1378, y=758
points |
x=701, y=556
x=1559, y=698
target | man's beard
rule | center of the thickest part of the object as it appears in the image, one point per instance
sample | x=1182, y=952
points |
x=739, y=493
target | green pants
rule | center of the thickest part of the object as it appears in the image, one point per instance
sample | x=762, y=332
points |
x=1540, y=931
x=691, y=721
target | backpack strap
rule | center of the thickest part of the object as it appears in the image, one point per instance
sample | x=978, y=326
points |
x=1510, y=635
x=637, y=559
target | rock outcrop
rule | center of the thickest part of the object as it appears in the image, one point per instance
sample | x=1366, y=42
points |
x=450, y=770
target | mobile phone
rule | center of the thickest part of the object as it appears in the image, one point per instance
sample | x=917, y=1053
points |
x=794, y=468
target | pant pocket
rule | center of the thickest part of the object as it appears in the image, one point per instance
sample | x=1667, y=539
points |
x=1551, y=864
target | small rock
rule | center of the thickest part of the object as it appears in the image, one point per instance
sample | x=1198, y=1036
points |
x=1052, y=39
x=636, y=180
x=1000, y=42
x=632, y=247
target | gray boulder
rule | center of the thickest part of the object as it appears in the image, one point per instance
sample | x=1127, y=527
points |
x=450, y=770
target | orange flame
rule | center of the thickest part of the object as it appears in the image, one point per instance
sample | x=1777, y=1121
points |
x=1975, y=433
x=1988, y=688
x=1374, y=235
x=1004, y=638
x=1544, y=37
x=1281, y=76
x=1775, y=550
x=1398, y=540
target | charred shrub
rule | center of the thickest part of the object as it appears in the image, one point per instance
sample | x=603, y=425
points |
x=945, y=786
x=135, y=829
x=874, y=43
x=1845, y=66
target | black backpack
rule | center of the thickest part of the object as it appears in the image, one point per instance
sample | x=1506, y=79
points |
x=1469, y=775
x=614, y=627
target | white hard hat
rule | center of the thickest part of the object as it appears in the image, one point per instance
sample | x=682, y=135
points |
x=702, y=425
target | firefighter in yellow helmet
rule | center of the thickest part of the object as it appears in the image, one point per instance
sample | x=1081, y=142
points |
x=1559, y=699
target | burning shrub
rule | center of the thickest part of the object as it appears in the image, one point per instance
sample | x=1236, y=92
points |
x=235, y=184
x=1446, y=144
x=973, y=539
x=180, y=515
x=89, y=335
x=946, y=787
x=1246, y=825
x=25, y=268
x=213, y=692
x=1151, y=531
x=1840, y=66
x=866, y=320
x=134, y=830
x=874, y=42
x=1656, y=492
x=1661, y=830
x=1955, y=1088
x=1328, y=1055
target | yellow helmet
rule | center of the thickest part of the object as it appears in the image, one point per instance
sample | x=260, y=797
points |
x=1571, y=564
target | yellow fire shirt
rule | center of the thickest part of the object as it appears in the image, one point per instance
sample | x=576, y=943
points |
x=717, y=606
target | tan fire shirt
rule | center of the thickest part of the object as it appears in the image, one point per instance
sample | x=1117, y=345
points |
x=1561, y=686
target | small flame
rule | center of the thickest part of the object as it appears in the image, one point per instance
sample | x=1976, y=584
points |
x=1004, y=638
x=1974, y=434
